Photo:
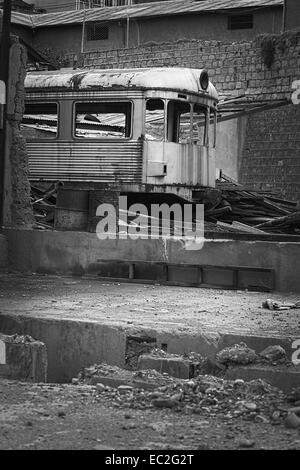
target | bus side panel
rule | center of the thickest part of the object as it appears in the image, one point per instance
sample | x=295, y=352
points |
x=172, y=163
x=86, y=161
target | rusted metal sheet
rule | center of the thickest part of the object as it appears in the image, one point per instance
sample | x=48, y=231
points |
x=142, y=10
x=86, y=161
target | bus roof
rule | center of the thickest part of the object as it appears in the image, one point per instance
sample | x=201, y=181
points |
x=168, y=78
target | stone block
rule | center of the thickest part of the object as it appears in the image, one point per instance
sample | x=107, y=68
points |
x=174, y=366
x=23, y=358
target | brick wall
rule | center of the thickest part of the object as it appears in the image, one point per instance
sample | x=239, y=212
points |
x=235, y=68
x=271, y=154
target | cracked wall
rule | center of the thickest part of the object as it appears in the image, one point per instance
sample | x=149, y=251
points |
x=17, y=206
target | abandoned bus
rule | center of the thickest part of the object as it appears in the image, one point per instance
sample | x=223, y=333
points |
x=133, y=127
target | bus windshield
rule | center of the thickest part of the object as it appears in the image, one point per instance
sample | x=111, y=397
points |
x=177, y=121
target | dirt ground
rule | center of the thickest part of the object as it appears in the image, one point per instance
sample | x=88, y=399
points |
x=66, y=416
x=50, y=416
x=138, y=305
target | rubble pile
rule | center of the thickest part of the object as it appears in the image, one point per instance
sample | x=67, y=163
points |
x=241, y=354
x=94, y=374
x=236, y=354
x=207, y=395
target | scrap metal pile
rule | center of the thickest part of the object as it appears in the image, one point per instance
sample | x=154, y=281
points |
x=254, y=211
x=43, y=203
x=232, y=208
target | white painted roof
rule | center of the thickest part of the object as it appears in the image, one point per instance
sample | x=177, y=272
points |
x=140, y=10
x=171, y=78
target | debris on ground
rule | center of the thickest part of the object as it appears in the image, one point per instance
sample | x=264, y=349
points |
x=135, y=347
x=116, y=376
x=292, y=421
x=273, y=305
x=274, y=353
x=230, y=207
x=294, y=396
x=207, y=395
x=65, y=416
x=236, y=354
x=43, y=202
x=21, y=339
x=261, y=210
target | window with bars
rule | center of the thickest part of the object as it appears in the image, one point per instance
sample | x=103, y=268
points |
x=240, y=22
x=97, y=32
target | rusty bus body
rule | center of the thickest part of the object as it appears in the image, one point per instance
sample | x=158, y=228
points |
x=131, y=127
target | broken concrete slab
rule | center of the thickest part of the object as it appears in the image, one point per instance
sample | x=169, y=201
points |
x=282, y=377
x=23, y=358
x=71, y=345
x=174, y=366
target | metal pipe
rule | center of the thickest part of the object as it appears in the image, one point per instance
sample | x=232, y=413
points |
x=284, y=15
x=127, y=31
x=83, y=29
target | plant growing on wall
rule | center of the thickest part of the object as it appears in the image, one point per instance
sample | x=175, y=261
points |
x=282, y=42
x=268, y=50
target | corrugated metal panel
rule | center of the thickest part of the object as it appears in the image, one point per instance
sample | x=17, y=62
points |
x=22, y=19
x=107, y=94
x=143, y=10
x=86, y=161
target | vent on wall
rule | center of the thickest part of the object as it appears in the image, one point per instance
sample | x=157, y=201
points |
x=240, y=21
x=97, y=32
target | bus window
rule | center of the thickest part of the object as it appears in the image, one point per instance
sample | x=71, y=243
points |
x=40, y=121
x=155, y=120
x=98, y=120
x=199, y=125
x=179, y=122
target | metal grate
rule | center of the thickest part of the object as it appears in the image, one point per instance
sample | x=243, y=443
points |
x=240, y=22
x=97, y=32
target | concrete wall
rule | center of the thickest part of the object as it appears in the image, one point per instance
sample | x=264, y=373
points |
x=230, y=141
x=3, y=252
x=71, y=345
x=292, y=15
x=73, y=252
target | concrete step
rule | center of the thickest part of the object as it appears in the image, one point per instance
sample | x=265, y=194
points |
x=73, y=345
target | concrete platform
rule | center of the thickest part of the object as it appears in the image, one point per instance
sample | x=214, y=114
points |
x=64, y=252
x=83, y=321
